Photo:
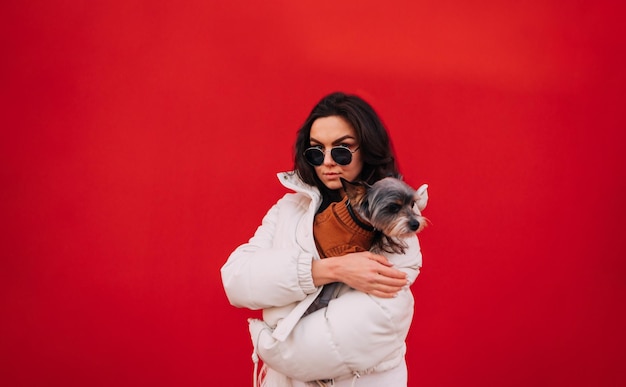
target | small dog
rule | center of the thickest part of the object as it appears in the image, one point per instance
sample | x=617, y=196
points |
x=391, y=207
x=376, y=217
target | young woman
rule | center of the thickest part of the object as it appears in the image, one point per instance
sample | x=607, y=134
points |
x=359, y=337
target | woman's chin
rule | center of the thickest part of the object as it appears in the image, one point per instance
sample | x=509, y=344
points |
x=333, y=184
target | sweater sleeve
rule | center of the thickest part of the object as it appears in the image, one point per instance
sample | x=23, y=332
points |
x=262, y=273
x=356, y=332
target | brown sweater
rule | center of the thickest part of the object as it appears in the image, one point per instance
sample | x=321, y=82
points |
x=336, y=233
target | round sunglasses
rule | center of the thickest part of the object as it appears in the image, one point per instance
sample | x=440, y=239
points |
x=341, y=154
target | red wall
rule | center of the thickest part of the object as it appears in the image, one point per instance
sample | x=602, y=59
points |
x=140, y=141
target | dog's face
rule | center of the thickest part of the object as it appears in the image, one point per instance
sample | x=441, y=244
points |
x=389, y=205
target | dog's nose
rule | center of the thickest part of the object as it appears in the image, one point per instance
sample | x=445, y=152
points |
x=414, y=224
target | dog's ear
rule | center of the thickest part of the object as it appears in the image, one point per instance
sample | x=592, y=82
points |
x=353, y=190
x=421, y=197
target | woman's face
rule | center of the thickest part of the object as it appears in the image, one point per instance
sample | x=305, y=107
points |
x=332, y=131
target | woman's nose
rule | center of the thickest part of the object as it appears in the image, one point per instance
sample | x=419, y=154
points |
x=328, y=158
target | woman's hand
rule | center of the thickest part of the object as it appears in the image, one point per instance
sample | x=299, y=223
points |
x=364, y=271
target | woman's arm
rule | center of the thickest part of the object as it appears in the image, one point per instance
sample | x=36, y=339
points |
x=264, y=273
x=364, y=271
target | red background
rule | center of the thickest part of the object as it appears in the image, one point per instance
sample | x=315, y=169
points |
x=140, y=141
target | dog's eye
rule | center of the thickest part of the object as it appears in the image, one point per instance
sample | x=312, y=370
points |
x=393, y=208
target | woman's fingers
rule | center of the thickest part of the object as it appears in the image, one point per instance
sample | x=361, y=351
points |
x=388, y=286
x=385, y=291
x=392, y=274
x=378, y=258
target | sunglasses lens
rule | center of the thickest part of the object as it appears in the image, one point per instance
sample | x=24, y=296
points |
x=341, y=155
x=314, y=156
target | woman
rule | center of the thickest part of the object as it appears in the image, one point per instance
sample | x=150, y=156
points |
x=359, y=336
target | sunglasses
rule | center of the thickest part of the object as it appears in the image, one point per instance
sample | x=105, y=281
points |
x=341, y=154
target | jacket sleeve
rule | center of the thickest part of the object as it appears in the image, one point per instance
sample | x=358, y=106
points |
x=356, y=332
x=264, y=273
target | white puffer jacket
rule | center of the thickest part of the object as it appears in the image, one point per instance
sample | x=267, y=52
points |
x=356, y=334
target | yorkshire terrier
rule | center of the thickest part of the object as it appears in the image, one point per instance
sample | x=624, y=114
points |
x=377, y=217
x=391, y=207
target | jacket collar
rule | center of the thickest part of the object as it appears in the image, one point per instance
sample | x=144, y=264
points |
x=292, y=181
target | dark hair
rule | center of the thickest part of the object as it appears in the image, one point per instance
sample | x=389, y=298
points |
x=374, y=143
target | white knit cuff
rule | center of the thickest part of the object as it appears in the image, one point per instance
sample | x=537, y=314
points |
x=305, y=277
